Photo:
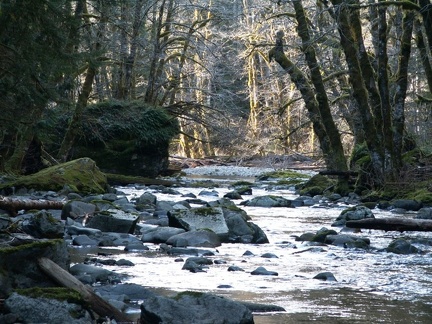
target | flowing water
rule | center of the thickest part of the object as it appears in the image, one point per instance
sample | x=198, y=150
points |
x=372, y=286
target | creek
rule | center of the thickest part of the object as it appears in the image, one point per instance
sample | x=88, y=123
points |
x=372, y=286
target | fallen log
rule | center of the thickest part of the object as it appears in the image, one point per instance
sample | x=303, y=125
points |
x=98, y=304
x=13, y=205
x=392, y=224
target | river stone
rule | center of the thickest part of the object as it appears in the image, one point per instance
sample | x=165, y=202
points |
x=114, y=220
x=348, y=241
x=84, y=240
x=235, y=268
x=211, y=218
x=233, y=195
x=188, y=251
x=261, y=271
x=80, y=230
x=97, y=274
x=263, y=308
x=321, y=235
x=194, y=307
x=326, y=276
x=267, y=201
x=192, y=266
x=402, y=246
x=44, y=310
x=77, y=209
x=160, y=234
x=147, y=199
x=424, y=213
x=43, y=225
x=199, y=238
x=407, y=204
x=353, y=213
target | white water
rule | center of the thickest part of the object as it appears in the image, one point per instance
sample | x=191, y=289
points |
x=372, y=286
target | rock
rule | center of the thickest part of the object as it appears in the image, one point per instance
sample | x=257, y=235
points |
x=211, y=218
x=201, y=260
x=43, y=225
x=263, y=308
x=47, y=310
x=147, y=199
x=194, y=307
x=114, y=220
x=407, y=204
x=269, y=256
x=353, y=213
x=77, y=210
x=97, y=274
x=235, y=268
x=267, y=201
x=326, y=276
x=84, y=240
x=192, y=266
x=261, y=271
x=81, y=175
x=424, y=213
x=233, y=195
x=136, y=247
x=402, y=246
x=160, y=234
x=321, y=234
x=348, y=241
x=207, y=193
x=199, y=238
x=124, y=262
x=118, y=239
x=19, y=267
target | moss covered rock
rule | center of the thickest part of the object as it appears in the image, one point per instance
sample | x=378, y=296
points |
x=316, y=185
x=81, y=175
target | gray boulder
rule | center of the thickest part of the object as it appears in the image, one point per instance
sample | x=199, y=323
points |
x=44, y=310
x=114, y=220
x=77, y=210
x=211, y=218
x=407, y=204
x=267, y=201
x=194, y=307
x=160, y=234
x=43, y=225
x=348, y=241
x=424, y=213
x=97, y=274
x=199, y=238
x=326, y=276
x=353, y=213
x=402, y=246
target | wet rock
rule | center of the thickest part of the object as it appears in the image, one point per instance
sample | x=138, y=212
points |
x=402, y=246
x=146, y=200
x=114, y=220
x=45, y=310
x=84, y=240
x=248, y=253
x=192, y=266
x=224, y=286
x=201, y=260
x=407, y=204
x=136, y=247
x=424, y=213
x=97, y=274
x=305, y=237
x=263, y=308
x=80, y=230
x=261, y=271
x=160, y=234
x=194, y=307
x=326, y=276
x=189, y=251
x=322, y=233
x=233, y=195
x=200, y=238
x=348, y=241
x=118, y=239
x=235, y=268
x=267, y=201
x=207, y=193
x=211, y=218
x=125, y=292
x=353, y=213
x=269, y=256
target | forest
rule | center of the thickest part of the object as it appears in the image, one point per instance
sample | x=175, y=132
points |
x=347, y=82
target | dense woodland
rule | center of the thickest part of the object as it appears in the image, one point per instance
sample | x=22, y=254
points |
x=340, y=80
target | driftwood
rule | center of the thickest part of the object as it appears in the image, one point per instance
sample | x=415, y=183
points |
x=98, y=304
x=12, y=205
x=392, y=224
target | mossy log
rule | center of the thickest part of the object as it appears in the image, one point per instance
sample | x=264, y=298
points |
x=98, y=304
x=392, y=224
x=12, y=205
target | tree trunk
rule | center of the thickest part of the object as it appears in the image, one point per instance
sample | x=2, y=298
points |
x=12, y=205
x=97, y=303
x=392, y=224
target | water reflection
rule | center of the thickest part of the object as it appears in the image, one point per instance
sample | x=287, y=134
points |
x=372, y=286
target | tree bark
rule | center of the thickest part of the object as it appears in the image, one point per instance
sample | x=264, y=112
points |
x=12, y=205
x=392, y=224
x=99, y=305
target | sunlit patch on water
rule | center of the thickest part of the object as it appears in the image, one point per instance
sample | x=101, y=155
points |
x=372, y=286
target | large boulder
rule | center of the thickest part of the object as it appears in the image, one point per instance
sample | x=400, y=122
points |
x=200, y=238
x=130, y=138
x=194, y=307
x=81, y=175
x=60, y=306
x=267, y=201
x=19, y=264
x=114, y=220
x=198, y=218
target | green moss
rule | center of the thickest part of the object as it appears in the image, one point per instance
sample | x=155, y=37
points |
x=285, y=174
x=317, y=185
x=205, y=211
x=423, y=195
x=38, y=245
x=81, y=175
x=57, y=293
x=242, y=184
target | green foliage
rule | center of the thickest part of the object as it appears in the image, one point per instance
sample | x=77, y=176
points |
x=127, y=124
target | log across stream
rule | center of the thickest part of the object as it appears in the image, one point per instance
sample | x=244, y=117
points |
x=392, y=224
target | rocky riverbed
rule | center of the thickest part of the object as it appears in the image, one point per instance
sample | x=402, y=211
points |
x=269, y=251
